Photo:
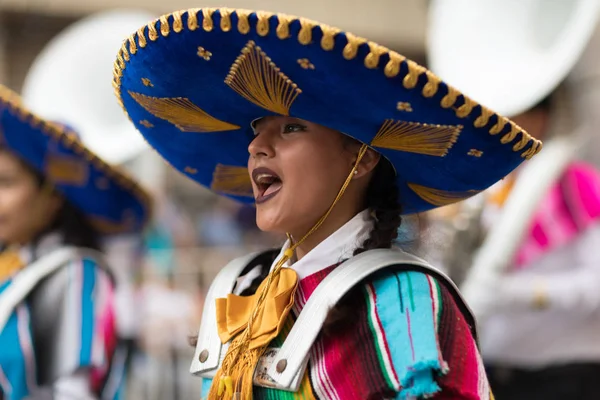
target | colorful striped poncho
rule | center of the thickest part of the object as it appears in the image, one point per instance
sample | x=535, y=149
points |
x=66, y=324
x=407, y=340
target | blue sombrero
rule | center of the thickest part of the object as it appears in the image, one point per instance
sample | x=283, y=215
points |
x=112, y=201
x=193, y=81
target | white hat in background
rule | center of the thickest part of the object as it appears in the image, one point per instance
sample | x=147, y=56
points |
x=508, y=54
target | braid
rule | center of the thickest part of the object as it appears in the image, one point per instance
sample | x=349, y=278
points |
x=382, y=199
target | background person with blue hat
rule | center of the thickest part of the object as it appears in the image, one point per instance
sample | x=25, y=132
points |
x=57, y=202
x=332, y=138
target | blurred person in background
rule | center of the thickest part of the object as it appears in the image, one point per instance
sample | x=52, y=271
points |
x=125, y=254
x=67, y=82
x=253, y=106
x=532, y=274
x=58, y=201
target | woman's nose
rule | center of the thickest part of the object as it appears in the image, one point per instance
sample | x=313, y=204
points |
x=262, y=145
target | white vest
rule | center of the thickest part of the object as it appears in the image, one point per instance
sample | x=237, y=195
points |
x=287, y=365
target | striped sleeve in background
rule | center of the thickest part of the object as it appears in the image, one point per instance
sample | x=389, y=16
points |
x=89, y=322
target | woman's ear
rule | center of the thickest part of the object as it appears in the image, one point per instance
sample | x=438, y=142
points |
x=367, y=163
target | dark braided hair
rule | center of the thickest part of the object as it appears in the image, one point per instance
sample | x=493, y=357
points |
x=382, y=199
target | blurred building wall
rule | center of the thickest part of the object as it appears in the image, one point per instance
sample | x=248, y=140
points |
x=395, y=23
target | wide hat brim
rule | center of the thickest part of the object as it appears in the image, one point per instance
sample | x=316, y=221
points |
x=112, y=201
x=193, y=81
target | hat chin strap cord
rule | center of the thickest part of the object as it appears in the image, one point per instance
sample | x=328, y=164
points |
x=235, y=352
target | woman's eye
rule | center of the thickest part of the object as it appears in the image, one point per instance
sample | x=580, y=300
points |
x=289, y=128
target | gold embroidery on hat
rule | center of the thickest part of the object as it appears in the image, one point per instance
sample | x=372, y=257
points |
x=225, y=23
x=165, y=29
x=177, y=21
x=305, y=63
x=146, y=123
x=190, y=170
x=535, y=148
x=511, y=135
x=404, y=106
x=351, y=49
x=438, y=197
x=475, y=153
x=141, y=37
x=243, y=24
x=498, y=127
x=375, y=53
x=63, y=169
x=415, y=137
x=392, y=68
x=120, y=60
x=256, y=78
x=449, y=99
x=412, y=78
x=328, y=38
x=262, y=25
x=182, y=113
x=465, y=110
x=432, y=85
x=305, y=34
x=125, y=51
x=283, y=26
x=147, y=82
x=132, y=46
x=232, y=180
x=207, y=22
x=484, y=118
x=192, y=20
x=203, y=53
x=152, y=32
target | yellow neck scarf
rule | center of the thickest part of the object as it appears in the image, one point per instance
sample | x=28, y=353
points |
x=234, y=312
x=10, y=263
x=253, y=321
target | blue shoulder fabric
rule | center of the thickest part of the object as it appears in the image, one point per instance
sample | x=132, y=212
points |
x=408, y=307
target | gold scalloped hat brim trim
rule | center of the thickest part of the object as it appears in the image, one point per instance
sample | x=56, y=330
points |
x=193, y=81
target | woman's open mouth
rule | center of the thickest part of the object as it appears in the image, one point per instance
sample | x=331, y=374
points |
x=267, y=182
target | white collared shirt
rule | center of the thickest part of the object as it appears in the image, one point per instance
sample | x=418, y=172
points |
x=337, y=247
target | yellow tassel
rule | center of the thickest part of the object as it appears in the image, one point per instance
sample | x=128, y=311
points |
x=228, y=385
x=221, y=386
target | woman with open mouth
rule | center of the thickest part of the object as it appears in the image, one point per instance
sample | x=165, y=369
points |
x=58, y=203
x=333, y=138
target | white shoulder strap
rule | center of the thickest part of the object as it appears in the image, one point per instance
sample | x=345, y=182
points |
x=207, y=356
x=30, y=276
x=295, y=350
